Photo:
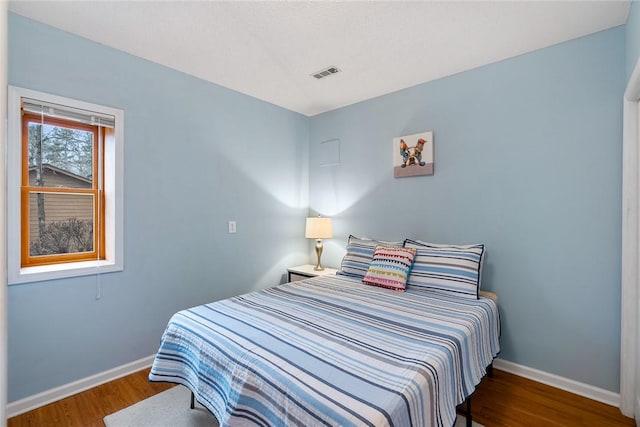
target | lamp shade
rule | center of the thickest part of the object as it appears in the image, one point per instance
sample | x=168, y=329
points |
x=318, y=228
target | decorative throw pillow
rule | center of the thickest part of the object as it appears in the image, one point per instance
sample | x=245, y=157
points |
x=447, y=268
x=390, y=267
x=359, y=255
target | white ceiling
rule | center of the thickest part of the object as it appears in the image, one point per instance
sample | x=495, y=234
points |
x=269, y=49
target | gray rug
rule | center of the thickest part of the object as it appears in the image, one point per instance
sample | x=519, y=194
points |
x=171, y=409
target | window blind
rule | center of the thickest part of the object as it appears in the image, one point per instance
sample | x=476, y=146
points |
x=68, y=113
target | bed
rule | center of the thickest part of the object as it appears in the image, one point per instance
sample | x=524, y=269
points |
x=332, y=351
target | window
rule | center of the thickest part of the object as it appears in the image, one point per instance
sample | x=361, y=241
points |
x=65, y=187
x=62, y=217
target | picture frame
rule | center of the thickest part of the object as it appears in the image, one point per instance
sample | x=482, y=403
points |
x=413, y=155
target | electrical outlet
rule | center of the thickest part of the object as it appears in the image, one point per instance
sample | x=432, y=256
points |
x=232, y=226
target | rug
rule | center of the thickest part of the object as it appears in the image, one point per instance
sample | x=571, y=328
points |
x=171, y=409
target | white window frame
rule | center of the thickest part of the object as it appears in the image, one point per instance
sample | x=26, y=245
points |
x=113, y=187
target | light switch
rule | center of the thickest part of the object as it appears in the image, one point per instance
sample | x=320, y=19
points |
x=232, y=226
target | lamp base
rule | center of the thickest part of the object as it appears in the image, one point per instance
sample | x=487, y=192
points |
x=318, y=266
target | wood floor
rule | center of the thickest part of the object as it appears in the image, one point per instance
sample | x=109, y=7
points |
x=504, y=400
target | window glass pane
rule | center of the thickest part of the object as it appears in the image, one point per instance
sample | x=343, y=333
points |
x=60, y=223
x=60, y=156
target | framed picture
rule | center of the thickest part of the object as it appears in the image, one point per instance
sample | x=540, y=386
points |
x=413, y=155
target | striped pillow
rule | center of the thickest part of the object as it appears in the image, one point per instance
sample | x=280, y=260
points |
x=390, y=267
x=359, y=255
x=447, y=268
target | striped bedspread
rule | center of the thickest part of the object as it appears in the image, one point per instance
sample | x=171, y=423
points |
x=331, y=351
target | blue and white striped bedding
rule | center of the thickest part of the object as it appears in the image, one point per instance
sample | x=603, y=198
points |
x=331, y=351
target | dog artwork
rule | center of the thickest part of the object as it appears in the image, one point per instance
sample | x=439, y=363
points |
x=413, y=155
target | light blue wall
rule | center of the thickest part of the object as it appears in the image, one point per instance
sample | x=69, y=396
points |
x=528, y=161
x=632, y=37
x=196, y=156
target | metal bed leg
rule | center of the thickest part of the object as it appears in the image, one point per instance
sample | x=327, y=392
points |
x=466, y=411
x=201, y=408
x=469, y=420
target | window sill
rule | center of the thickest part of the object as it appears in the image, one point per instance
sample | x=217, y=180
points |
x=63, y=271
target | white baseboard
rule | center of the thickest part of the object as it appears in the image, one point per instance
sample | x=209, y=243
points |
x=37, y=400
x=576, y=387
x=23, y=405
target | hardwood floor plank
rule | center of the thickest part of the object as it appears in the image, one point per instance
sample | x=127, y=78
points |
x=91, y=406
x=510, y=400
x=504, y=400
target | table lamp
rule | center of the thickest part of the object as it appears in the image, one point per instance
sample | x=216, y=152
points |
x=318, y=228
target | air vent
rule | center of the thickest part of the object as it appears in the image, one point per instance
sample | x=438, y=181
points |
x=326, y=72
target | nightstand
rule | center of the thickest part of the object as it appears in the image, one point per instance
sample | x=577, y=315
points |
x=302, y=272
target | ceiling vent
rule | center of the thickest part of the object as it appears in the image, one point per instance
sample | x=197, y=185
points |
x=325, y=72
